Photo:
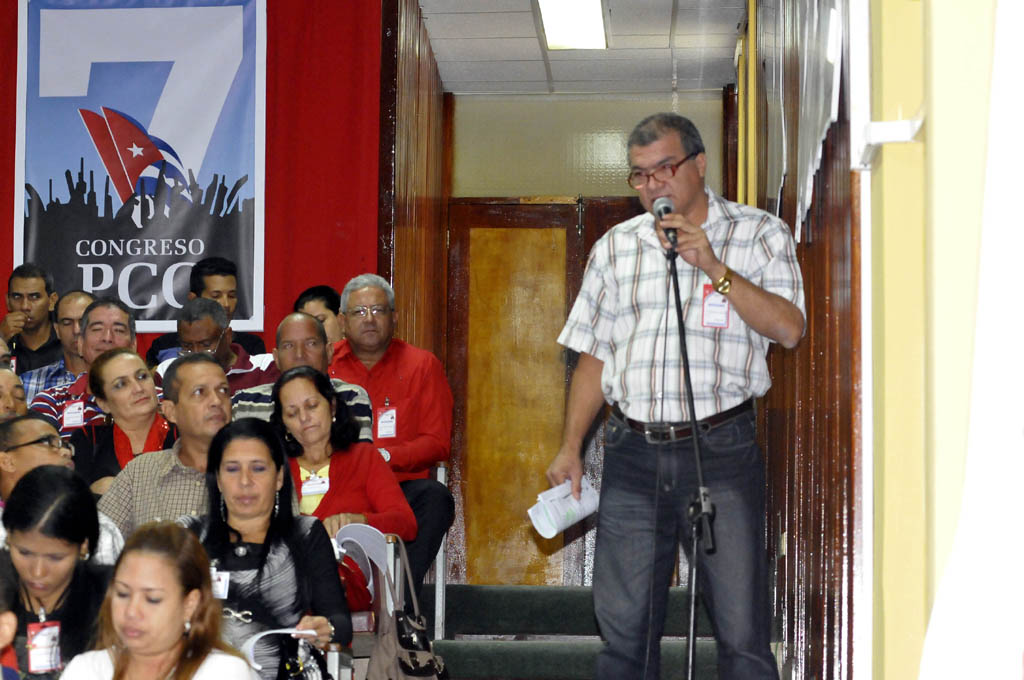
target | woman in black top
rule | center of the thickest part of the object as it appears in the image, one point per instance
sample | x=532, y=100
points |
x=52, y=528
x=273, y=569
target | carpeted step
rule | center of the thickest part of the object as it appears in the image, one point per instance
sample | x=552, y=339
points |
x=556, y=659
x=539, y=610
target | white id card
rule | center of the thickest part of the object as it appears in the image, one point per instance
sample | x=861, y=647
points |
x=74, y=415
x=43, y=647
x=716, y=309
x=220, y=581
x=387, y=422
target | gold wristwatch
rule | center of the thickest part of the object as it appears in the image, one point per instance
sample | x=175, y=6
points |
x=723, y=284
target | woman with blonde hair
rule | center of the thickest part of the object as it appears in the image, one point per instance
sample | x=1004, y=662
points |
x=159, y=618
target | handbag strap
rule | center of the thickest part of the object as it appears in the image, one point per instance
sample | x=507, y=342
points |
x=403, y=560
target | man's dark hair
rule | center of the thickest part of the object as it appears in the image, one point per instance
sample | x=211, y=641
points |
x=298, y=316
x=70, y=293
x=325, y=294
x=99, y=303
x=9, y=427
x=656, y=126
x=211, y=266
x=30, y=270
x=171, y=381
x=200, y=308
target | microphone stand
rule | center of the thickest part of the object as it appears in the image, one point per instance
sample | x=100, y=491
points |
x=701, y=511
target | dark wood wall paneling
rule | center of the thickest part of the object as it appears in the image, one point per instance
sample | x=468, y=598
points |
x=413, y=193
x=808, y=419
x=730, y=141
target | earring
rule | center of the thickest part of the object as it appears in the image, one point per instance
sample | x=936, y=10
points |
x=277, y=502
x=289, y=438
x=188, y=627
x=223, y=510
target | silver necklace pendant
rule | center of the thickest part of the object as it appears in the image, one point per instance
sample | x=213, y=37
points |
x=241, y=550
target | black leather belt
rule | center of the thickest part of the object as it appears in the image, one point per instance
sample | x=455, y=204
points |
x=659, y=433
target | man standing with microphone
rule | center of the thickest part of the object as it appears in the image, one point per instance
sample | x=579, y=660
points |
x=741, y=289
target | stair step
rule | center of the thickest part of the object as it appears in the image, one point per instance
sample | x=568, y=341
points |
x=539, y=610
x=556, y=659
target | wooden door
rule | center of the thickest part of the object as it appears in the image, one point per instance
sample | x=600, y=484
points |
x=515, y=266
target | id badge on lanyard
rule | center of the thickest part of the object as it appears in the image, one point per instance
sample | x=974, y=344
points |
x=43, y=647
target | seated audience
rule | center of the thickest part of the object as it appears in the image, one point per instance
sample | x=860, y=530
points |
x=339, y=479
x=30, y=441
x=278, y=566
x=203, y=328
x=323, y=304
x=28, y=328
x=106, y=323
x=171, y=483
x=123, y=387
x=159, y=618
x=70, y=308
x=301, y=341
x=12, y=394
x=52, y=531
x=412, y=408
x=5, y=354
x=214, y=278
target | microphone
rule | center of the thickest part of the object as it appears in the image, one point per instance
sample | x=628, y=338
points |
x=662, y=207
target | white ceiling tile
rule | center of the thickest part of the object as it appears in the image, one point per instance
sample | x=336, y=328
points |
x=704, y=53
x=611, y=69
x=720, y=71
x=637, y=41
x=723, y=40
x=717, y=20
x=598, y=86
x=498, y=87
x=454, y=71
x=698, y=4
x=460, y=6
x=582, y=55
x=639, y=17
x=486, y=49
x=481, y=25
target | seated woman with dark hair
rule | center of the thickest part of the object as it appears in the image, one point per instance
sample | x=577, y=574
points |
x=159, y=619
x=275, y=570
x=52, y=529
x=343, y=481
x=124, y=388
x=339, y=479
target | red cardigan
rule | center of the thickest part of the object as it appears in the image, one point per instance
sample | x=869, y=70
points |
x=361, y=482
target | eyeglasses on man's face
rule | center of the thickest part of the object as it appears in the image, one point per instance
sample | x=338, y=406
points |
x=51, y=440
x=638, y=178
x=361, y=312
x=206, y=346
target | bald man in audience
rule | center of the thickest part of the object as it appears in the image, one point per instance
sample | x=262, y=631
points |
x=302, y=341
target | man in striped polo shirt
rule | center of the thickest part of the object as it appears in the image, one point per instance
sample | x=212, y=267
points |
x=741, y=289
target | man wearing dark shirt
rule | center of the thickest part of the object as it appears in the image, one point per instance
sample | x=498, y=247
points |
x=215, y=278
x=28, y=328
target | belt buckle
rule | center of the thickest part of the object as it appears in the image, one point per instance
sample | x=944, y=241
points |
x=658, y=433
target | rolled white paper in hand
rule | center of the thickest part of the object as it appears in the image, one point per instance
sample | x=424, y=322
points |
x=556, y=509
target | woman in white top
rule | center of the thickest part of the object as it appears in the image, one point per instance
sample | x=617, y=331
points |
x=160, y=619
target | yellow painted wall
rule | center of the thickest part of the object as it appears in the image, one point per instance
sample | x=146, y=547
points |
x=956, y=95
x=560, y=145
x=899, y=297
x=932, y=57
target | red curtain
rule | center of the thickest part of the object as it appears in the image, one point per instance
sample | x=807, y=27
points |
x=322, y=132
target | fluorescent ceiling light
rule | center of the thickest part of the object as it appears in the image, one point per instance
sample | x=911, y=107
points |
x=573, y=24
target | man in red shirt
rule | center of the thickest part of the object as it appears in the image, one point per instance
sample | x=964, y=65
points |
x=412, y=407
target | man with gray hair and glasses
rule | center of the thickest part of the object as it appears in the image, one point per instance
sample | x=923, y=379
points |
x=203, y=327
x=742, y=290
x=412, y=407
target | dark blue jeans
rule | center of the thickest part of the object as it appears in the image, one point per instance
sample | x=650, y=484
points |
x=645, y=491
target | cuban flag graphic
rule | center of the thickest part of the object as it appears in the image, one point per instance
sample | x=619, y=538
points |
x=128, y=150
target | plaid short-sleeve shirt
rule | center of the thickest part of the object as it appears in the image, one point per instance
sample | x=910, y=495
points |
x=625, y=315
